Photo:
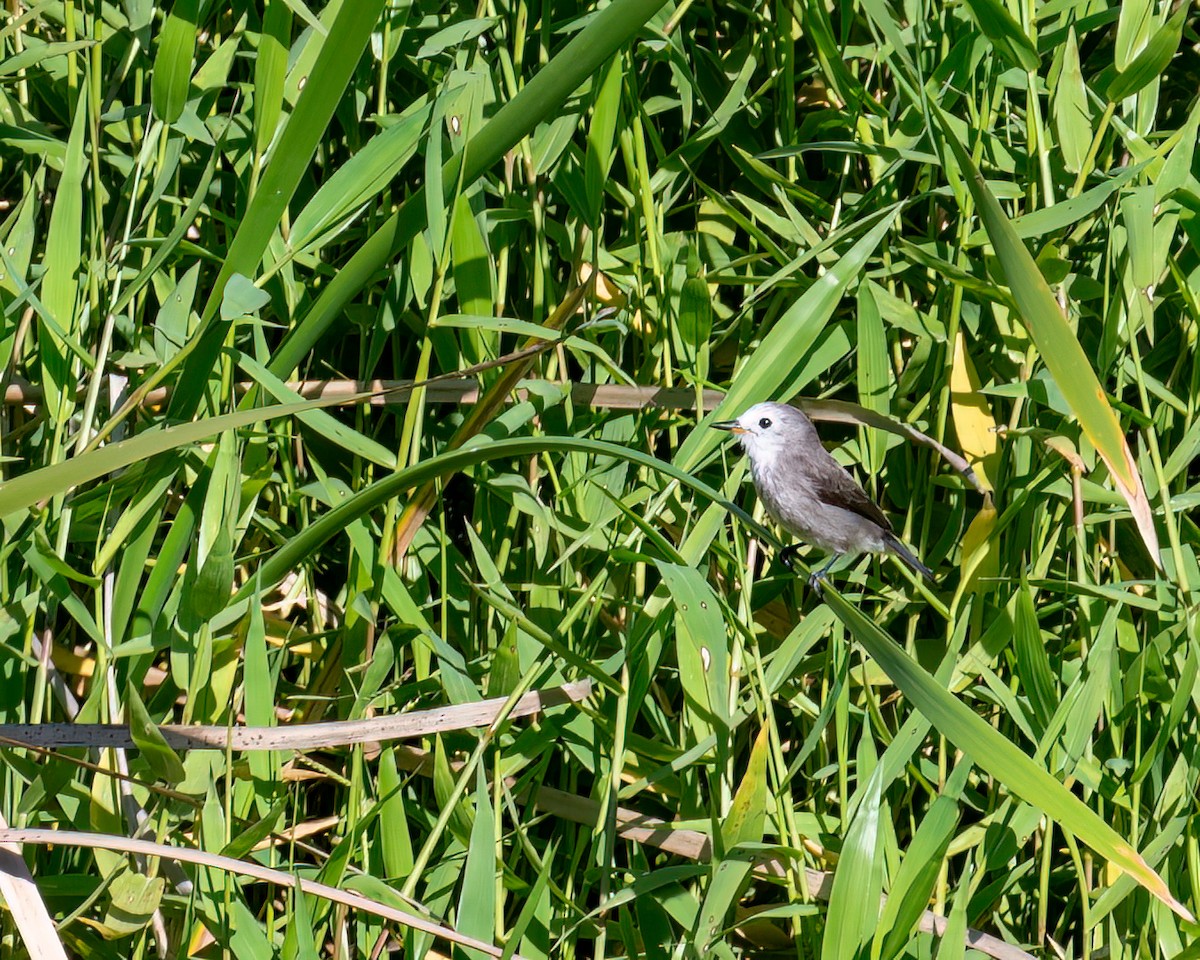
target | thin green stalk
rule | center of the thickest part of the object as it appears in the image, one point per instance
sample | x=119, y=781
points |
x=465, y=776
x=1164, y=488
x=1089, y=162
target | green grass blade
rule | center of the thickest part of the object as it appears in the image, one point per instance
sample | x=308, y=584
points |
x=858, y=879
x=149, y=739
x=997, y=755
x=539, y=99
x=270, y=71
x=1072, y=118
x=360, y=179
x=172, y=71
x=773, y=362
x=293, y=152
x=60, y=283
x=1005, y=33
x=476, y=915
x=701, y=650
x=1149, y=64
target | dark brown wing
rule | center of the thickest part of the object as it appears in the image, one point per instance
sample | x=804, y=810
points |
x=836, y=487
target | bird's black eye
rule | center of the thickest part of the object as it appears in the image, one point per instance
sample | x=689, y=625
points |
x=764, y=422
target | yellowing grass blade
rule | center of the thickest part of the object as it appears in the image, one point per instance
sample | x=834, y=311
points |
x=973, y=421
x=980, y=551
x=1060, y=350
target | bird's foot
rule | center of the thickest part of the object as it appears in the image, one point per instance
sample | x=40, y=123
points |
x=816, y=582
x=787, y=555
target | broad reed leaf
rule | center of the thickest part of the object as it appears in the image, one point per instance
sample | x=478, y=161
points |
x=874, y=374
x=472, y=273
x=999, y=756
x=1057, y=344
x=172, y=71
x=60, y=283
x=605, y=111
x=476, y=916
x=748, y=811
x=270, y=70
x=701, y=649
x=394, y=828
x=362, y=177
x=858, y=879
x=1072, y=118
x=1033, y=662
x=134, y=899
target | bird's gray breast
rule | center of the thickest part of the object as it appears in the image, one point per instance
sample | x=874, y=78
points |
x=788, y=490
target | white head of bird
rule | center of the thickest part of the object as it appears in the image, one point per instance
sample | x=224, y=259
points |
x=768, y=431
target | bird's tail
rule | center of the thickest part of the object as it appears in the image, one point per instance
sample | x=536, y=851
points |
x=909, y=558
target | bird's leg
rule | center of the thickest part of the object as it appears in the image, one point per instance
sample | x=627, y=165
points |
x=818, y=578
x=787, y=555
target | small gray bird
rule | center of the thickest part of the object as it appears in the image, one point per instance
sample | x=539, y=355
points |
x=810, y=494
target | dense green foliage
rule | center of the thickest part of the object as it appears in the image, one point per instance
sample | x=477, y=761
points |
x=203, y=202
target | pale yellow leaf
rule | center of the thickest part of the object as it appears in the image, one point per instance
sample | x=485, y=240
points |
x=973, y=421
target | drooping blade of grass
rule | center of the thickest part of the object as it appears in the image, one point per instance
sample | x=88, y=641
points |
x=35, y=486
x=1058, y=346
x=163, y=760
x=539, y=99
x=1009, y=40
x=30, y=488
x=306, y=541
x=997, y=755
x=1149, y=64
x=324, y=423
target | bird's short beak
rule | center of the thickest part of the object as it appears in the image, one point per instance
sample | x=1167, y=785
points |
x=731, y=425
